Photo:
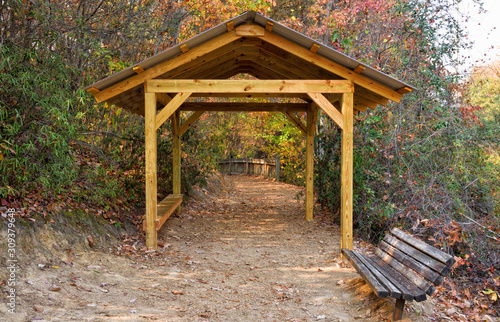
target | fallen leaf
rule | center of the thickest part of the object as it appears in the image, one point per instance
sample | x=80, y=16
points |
x=177, y=292
x=54, y=288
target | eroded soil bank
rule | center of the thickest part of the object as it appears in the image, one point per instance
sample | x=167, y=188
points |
x=243, y=254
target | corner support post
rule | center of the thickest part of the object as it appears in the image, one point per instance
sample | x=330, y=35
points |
x=346, y=172
x=176, y=171
x=312, y=116
x=151, y=173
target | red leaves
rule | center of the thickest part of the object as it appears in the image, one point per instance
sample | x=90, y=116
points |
x=469, y=116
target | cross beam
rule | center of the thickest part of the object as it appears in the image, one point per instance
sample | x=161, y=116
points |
x=248, y=86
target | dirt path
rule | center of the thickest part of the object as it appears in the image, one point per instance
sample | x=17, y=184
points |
x=245, y=254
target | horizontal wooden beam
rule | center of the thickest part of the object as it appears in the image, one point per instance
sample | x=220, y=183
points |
x=303, y=96
x=248, y=86
x=221, y=54
x=244, y=107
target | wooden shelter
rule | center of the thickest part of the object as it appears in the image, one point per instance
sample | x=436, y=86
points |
x=286, y=64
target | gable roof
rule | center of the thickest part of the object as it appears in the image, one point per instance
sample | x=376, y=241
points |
x=249, y=43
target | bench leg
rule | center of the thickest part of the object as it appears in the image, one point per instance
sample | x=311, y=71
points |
x=398, y=310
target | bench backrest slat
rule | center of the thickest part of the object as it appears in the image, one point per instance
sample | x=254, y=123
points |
x=418, y=267
x=441, y=256
x=425, y=259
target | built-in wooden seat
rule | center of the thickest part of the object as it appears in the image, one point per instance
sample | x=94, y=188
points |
x=165, y=208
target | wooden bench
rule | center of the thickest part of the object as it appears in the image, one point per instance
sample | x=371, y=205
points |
x=165, y=208
x=402, y=267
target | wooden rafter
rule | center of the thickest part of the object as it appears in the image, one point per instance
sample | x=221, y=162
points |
x=213, y=73
x=221, y=54
x=277, y=72
x=285, y=58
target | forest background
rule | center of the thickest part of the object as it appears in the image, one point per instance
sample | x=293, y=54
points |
x=429, y=164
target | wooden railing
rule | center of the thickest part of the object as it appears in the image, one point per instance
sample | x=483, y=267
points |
x=261, y=167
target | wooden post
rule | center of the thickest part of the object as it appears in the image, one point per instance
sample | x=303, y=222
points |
x=398, y=310
x=277, y=167
x=151, y=192
x=346, y=172
x=312, y=114
x=176, y=163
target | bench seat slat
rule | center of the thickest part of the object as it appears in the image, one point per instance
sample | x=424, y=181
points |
x=420, y=268
x=393, y=290
x=436, y=265
x=404, y=270
x=375, y=285
x=409, y=289
x=441, y=256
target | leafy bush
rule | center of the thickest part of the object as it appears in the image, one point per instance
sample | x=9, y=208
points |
x=37, y=109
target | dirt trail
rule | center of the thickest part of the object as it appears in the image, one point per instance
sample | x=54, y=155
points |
x=245, y=254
